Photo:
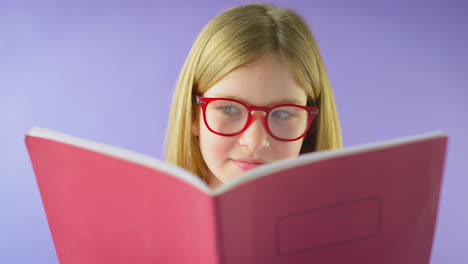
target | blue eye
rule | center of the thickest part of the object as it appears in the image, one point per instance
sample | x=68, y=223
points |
x=281, y=114
x=229, y=109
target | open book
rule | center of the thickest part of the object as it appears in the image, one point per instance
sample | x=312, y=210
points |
x=375, y=203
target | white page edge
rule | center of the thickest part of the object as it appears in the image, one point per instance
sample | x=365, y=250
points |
x=123, y=154
x=265, y=170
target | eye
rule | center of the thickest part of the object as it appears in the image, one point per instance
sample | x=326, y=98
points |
x=229, y=109
x=281, y=114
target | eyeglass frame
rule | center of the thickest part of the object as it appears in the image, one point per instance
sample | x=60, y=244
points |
x=312, y=112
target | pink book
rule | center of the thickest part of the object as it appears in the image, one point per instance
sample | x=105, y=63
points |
x=374, y=203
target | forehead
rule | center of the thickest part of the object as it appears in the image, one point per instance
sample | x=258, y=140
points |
x=265, y=82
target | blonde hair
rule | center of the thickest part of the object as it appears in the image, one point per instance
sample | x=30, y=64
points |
x=239, y=36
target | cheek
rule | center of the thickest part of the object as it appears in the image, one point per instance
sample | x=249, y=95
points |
x=285, y=150
x=214, y=148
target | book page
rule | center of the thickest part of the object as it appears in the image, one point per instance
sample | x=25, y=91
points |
x=377, y=205
x=102, y=209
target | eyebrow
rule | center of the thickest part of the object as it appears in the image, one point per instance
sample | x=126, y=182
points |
x=279, y=102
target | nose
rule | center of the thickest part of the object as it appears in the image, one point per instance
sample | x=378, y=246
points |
x=255, y=137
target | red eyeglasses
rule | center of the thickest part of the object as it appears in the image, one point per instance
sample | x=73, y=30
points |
x=229, y=117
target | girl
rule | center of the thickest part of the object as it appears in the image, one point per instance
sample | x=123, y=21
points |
x=253, y=90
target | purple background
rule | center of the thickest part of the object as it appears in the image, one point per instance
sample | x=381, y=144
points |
x=105, y=70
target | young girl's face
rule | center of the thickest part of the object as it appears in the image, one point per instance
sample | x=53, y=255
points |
x=266, y=83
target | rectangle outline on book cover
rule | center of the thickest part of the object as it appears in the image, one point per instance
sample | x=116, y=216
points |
x=373, y=213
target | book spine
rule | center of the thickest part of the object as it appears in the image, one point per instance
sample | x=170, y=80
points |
x=218, y=235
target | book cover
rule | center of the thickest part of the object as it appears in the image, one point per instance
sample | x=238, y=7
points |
x=375, y=203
